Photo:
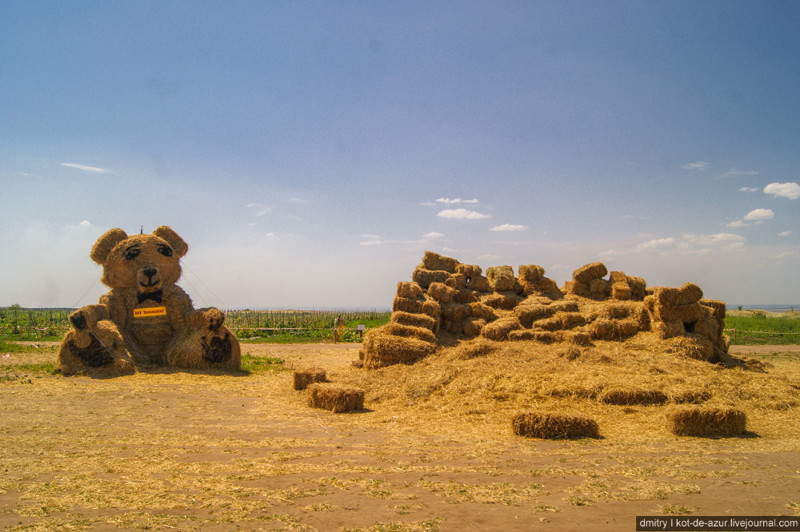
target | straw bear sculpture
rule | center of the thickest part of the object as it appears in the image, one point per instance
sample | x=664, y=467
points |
x=146, y=319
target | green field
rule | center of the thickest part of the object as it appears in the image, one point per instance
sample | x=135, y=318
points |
x=276, y=326
x=744, y=327
x=756, y=327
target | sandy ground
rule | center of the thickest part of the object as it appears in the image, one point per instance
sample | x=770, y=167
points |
x=188, y=451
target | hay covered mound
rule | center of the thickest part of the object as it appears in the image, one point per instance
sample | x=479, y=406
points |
x=481, y=351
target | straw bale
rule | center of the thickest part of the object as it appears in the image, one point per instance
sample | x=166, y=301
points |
x=528, y=314
x=459, y=281
x=687, y=294
x=605, y=329
x=565, y=306
x=456, y=312
x=501, y=278
x=409, y=289
x=668, y=329
x=414, y=320
x=425, y=277
x=686, y=313
x=549, y=288
x=708, y=327
x=618, y=277
x=431, y=308
x=638, y=288
x=585, y=274
x=500, y=300
x=694, y=397
x=621, y=291
x=441, y=292
x=479, y=310
x=301, y=378
x=383, y=349
x=473, y=326
x=717, y=307
x=469, y=270
x=554, y=426
x=479, y=283
x=434, y=261
x=627, y=396
x=531, y=273
x=465, y=296
x=599, y=288
x=404, y=304
x=576, y=337
x=707, y=421
x=498, y=330
x=545, y=337
x=335, y=397
x=479, y=347
x=561, y=320
x=407, y=331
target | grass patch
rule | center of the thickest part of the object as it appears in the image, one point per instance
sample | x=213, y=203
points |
x=256, y=364
x=761, y=328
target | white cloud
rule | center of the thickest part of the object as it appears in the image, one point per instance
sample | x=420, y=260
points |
x=448, y=201
x=371, y=243
x=736, y=223
x=783, y=190
x=691, y=243
x=733, y=172
x=785, y=233
x=508, y=227
x=656, y=243
x=759, y=215
x=260, y=210
x=783, y=255
x=489, y=258
x=85, y=168
x=433, y=234
x=697, y=165
x=749, y=189
x=462, y=214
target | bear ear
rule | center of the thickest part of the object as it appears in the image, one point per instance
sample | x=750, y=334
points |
x=178, y=245
x=106, y=243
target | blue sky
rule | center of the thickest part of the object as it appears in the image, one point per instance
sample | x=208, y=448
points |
x=310, y=152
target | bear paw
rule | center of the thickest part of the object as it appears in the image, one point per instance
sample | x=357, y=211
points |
x=94, y=355
x=217, y=349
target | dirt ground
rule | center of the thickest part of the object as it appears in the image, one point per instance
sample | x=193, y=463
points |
x=193, y=451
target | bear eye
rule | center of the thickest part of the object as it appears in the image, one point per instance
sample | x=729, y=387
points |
x=131, y=253
x=165, y=250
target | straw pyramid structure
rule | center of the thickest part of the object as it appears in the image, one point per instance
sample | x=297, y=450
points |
x=447, y=301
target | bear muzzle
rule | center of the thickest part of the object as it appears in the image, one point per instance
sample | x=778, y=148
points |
x=148, y=278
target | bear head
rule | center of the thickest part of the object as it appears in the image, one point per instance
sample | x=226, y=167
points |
x=144, y=263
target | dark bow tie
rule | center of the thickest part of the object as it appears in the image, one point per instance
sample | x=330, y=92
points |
x=155, y=296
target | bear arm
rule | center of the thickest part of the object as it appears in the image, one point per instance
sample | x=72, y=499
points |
x=179, y=308
x=88, y=316
x=117, y=310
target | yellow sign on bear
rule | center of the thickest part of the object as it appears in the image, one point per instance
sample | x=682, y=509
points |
x=149, y=311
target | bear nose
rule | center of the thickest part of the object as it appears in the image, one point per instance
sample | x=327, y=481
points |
x=149, y=272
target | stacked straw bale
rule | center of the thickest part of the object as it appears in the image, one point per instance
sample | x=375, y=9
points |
x=554, y=426
x=707, y=421
x=335, y=397
x=683, y=312
x=447, y=301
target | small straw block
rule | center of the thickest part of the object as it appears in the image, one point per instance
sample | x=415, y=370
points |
x=553, y=426
x=303, y=377
x=633, y=397
x=335, y=397
x=706, y=421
